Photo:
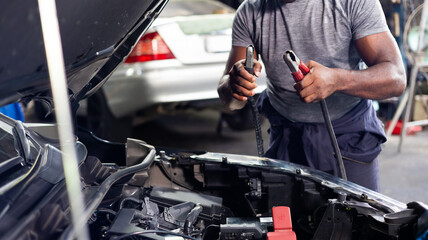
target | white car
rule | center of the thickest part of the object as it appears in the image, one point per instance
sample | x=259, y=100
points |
x=176, y=65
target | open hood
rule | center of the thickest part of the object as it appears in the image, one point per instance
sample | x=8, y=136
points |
x=96, y=36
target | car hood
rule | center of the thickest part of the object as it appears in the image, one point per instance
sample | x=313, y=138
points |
x=96, y=36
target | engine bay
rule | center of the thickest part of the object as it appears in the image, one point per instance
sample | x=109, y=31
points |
x=137, y=191
x=181, y=197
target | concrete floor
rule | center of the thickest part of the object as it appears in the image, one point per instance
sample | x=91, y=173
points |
x=404, y=175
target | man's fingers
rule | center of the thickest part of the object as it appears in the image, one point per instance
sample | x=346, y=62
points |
x=311, y=64
x=306, y=93
x=245, y=83
x=239, y=97
x=312, y=94
x=312, y=89
x=313, y=98
x=239, y=70
x=242, y=82
x=242, y=90
x=257, y=68
x=298, y=86
x=306, y=81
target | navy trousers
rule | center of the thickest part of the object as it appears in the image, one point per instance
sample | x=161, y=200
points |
x=359, y=134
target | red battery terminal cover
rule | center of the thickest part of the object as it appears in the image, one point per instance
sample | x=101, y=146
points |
x=282, y=226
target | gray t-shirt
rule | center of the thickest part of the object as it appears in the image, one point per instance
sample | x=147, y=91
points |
x=319, y=30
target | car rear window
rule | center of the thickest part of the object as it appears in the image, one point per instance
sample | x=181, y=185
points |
x=194, y=7
x=208, y=24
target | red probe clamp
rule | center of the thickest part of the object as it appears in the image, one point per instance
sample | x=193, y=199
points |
x=297, y=67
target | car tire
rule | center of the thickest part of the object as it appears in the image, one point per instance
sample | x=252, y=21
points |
x=101, y=121
x=240, y=120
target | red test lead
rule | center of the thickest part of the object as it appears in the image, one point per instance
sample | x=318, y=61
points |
x=299, y=70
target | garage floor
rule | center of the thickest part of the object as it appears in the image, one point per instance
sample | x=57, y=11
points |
x=404, y=176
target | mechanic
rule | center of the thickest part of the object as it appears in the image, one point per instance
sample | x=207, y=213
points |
x=336, y=36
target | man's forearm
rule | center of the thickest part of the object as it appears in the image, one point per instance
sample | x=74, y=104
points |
x=225, y=94
x=385, y=76
x=381, y=81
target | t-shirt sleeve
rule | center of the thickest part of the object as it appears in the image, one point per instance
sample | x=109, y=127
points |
x=367, y=18
x=242, y=26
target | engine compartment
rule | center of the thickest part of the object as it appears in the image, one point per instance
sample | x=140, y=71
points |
x=180, y=197
x=137, y=191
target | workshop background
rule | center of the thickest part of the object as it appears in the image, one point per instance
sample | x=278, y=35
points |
x=198, y=123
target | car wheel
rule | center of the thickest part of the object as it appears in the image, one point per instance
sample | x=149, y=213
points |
x=103, y=123
x=240, y=119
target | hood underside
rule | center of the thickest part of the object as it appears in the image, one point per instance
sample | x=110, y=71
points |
x=96, y=36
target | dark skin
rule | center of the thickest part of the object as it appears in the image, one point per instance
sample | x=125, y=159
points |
x=384, y=77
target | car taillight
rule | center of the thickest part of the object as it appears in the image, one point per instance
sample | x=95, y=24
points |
x=150, y=47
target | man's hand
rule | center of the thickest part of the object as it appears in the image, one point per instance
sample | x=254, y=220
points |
x=236, y=83
x=242, y=83
x=384, y=78
x=318, y=84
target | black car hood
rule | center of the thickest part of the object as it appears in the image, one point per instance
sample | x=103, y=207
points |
x=96, y=36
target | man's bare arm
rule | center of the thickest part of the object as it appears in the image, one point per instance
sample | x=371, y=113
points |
x=236, y=83
x=385, y=76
